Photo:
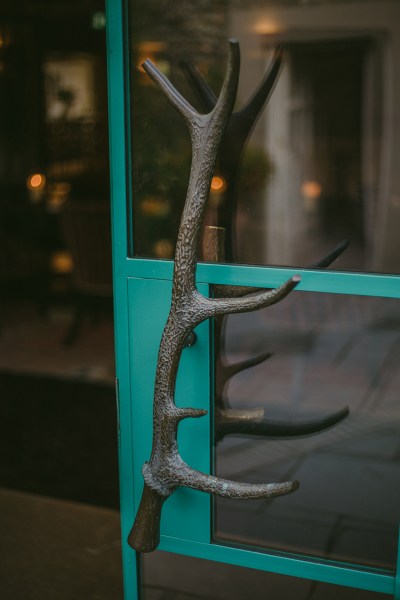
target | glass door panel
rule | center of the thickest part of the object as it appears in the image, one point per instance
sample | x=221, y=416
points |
x=328, y=352
x=318, y=164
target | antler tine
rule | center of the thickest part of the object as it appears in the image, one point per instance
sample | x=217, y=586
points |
x=232, y=291
x=224, y=306
x=202, y=88
x=175, y=98
x=329, y=258
x=224, y=106
x=260, y=96
x=227, y=425
x=226, y=98
x=243, y=365
x=258, y=99
x=226, y=488
x=238, y=291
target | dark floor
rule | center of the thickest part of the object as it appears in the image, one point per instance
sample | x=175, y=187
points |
x=60, y=534
x=53, y=549
x=59, y=439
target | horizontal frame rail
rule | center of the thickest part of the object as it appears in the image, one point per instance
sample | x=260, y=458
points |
x=325, y=572
x=334, y=282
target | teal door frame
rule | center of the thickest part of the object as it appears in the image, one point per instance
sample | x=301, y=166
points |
x=137, y=280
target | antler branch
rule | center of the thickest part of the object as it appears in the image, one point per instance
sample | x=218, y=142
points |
x=209, y=99
x=324, y=262
x=190, y=115
x=231, y=422
x=247, y=363
x=215, y=307
x=225, y=488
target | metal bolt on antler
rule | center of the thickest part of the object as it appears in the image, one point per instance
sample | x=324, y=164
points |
x=166, y=470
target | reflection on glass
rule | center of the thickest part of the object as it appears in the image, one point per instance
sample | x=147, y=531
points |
x=166, y=576
x=328, y=352
x=319, y=160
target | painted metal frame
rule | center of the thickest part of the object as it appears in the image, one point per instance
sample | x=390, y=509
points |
x=133, y=434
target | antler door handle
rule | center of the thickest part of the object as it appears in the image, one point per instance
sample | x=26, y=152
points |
x=166, y=470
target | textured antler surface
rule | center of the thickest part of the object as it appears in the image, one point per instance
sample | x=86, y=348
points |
x=166, y=470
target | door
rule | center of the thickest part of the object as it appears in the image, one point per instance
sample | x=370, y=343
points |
x=306, y=390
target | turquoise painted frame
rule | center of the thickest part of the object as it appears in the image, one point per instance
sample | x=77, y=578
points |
x=116, y=99
x=125, y=269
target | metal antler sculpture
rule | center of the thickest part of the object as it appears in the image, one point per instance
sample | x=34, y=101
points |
x=219, y=245
x=166, y=470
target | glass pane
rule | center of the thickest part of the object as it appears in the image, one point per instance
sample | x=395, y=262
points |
x=328, y=352
x=168, y=576
x=317, y=165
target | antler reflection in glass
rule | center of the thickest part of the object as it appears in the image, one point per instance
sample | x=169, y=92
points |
x=219, y=245
x=245, y=421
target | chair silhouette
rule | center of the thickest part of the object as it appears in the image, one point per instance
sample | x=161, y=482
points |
x=24, y=259
x=87, y=232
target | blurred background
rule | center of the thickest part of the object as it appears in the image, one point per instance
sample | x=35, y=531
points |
x=59, y=467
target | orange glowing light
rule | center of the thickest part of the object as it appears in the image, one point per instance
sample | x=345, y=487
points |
x=267, y=27
x=155, y=206
x=36, y=181
x=218, y=184
x=61, y=262
x=151, y=50
x=311, y=189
